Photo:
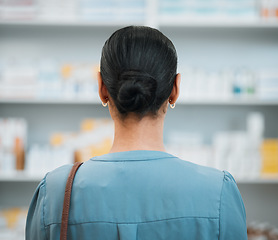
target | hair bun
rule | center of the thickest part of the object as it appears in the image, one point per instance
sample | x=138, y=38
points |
x=136, y=92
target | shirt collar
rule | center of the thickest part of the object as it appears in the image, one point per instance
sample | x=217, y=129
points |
x=137, y=155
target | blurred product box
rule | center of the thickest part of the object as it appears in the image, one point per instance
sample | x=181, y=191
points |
x=213, y=10
x=269, y=9
x=19, y=83
x=135, y=10
x=268, y=85
x=48, y=79
x=112, y=10
x=238, y=152
x=13, y=139
x=94, y=138
x=18, y=9
x=261, y=231
x=57, y=10
x=226, y=84
x=270, y=156
x=73, y=10
x=12, y=223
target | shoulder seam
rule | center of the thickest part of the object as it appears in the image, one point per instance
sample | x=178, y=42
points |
x=44, y=206
x=220, y=204
x=129, y=160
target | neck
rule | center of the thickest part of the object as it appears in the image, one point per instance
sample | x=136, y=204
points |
x=132, y=134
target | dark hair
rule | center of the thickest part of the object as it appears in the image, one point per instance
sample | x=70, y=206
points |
x=138, y=66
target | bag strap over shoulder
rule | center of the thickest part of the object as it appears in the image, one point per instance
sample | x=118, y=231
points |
x=66, y=205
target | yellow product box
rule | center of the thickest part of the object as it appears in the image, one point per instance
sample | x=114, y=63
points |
x=269, y=150
x=85, y=153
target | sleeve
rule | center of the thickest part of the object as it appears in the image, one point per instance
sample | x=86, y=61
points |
x=35, y=227
x=232, y=211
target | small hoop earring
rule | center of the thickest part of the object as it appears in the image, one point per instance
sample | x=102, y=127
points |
x=172, y=105
x=104, y=104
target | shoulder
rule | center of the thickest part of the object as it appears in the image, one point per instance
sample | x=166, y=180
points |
x=189, y=184
x=58, y=176
x=45, y=207
x=232, y=211
x=230, y=194
x=198, y=173
x=54, y=183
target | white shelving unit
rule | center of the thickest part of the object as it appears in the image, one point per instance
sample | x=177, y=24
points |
x=254, y=44
x=218, y=24
x=68, y=23
x=95, y=101
x=182, y=23
x=20, y=176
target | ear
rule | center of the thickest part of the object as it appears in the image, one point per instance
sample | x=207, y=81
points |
x=102, y=89
x=176, y=89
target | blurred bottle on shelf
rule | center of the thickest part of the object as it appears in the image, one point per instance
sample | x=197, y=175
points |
x=48, y=79
x=261, y=231
x=268, y=84
x=245, y=154
x=219, y=10
x=58, y=10
x=239, y=151
x=73, y=10
x=18, y=9
x=269, y=9
x=255, y=135
x=133, y=10
x=109, y=11
x=79, y=81
x=244, y=83
x=189, y=147
x=13, y=137
x=225, y=84
x=94, y=138
x=12, y=223
x=18, y=79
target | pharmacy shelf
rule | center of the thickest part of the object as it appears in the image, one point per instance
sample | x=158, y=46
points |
x=168, y=22
x=50, y=101
x=22, y=176
x=237, y=102
x=172, y=22
x=69, y=23
x=263, y=179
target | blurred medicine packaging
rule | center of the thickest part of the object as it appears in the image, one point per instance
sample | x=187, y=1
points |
x=94, y=138
x=54, y=80
x=136, y=10
x=13, y=141
x=217, y=10
x=245, y=154
x=210, y=10
x=48, y=79
x=12, y=223
x=229, y=84
x=73, y=10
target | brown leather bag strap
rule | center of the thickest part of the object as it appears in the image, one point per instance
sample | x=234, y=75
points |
x=66, y=206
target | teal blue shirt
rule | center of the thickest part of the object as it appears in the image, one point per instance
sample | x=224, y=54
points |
x=146, y=195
